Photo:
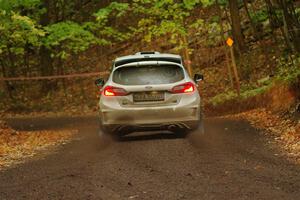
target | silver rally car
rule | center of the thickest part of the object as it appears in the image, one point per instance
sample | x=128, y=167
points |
x=149, y=91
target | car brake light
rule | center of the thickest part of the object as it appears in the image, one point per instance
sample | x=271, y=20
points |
x=184, y=88
x=114, y=91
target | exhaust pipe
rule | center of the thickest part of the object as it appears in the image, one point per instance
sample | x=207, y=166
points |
x=172, y=127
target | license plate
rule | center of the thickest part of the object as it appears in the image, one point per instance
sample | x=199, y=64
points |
x=148, y=96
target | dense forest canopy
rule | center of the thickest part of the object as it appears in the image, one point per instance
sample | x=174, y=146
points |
x=41, y=37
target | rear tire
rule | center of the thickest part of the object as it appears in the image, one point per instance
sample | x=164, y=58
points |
x=111, y=135
x=182, y=133
x=198, y=129
x=104, y=132
x=201, y=124
x=201, y=127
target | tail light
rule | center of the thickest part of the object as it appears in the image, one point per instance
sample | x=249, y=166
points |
x=188, y=87
x=114, y=91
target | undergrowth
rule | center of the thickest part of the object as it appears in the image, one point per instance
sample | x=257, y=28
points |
x=288, y=72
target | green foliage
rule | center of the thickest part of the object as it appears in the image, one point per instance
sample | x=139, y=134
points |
x=259, y=16
x=254, y=92
x=171, y=19
x=231, y=95
x=298, y=11
x=206, y=3
x=162, y=18
x=62, y=38
x=190, y=4
x=10, y=5
x=223, y=97
x=18, y=31
x=223, y=3
x=288, y=73
x=32, y=8
x=103, y=29
x=115, y=8
x=288, y=69
x=68, y=37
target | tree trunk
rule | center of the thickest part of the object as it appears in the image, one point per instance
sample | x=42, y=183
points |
x=224, y=45
x=235, y=72
x=46, y=62
x=291, y=24
x=26, y=61
x=274, y=21
x=188, y=62
x=253, y=26
x=8, y=86
x=236, y=25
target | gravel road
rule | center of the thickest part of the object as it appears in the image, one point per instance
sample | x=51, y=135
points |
x=231, y=161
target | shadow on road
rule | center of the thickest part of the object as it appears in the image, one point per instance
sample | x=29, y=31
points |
x=150, y=136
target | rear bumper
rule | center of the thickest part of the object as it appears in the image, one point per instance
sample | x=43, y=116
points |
x=187, y=117
x=185, y=114
x=152, y=115
x=116, y=128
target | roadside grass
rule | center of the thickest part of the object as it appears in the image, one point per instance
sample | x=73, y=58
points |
x=232, y=95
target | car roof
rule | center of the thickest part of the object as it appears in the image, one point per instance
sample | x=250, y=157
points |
x=147, y=56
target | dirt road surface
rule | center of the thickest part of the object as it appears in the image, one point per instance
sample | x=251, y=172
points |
x=231, y=161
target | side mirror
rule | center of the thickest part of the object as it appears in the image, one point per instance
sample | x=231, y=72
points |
x=99, y=82
x=198, y=78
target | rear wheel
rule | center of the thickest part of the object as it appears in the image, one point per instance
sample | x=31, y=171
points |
x=182, y=132
x=201, y=124
x=199, y=128
x=115, y=136
x=104, y=131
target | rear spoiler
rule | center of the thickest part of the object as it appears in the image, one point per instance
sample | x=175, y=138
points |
x=127, y=61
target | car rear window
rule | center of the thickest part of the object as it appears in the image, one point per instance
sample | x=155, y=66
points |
x=148, y=75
